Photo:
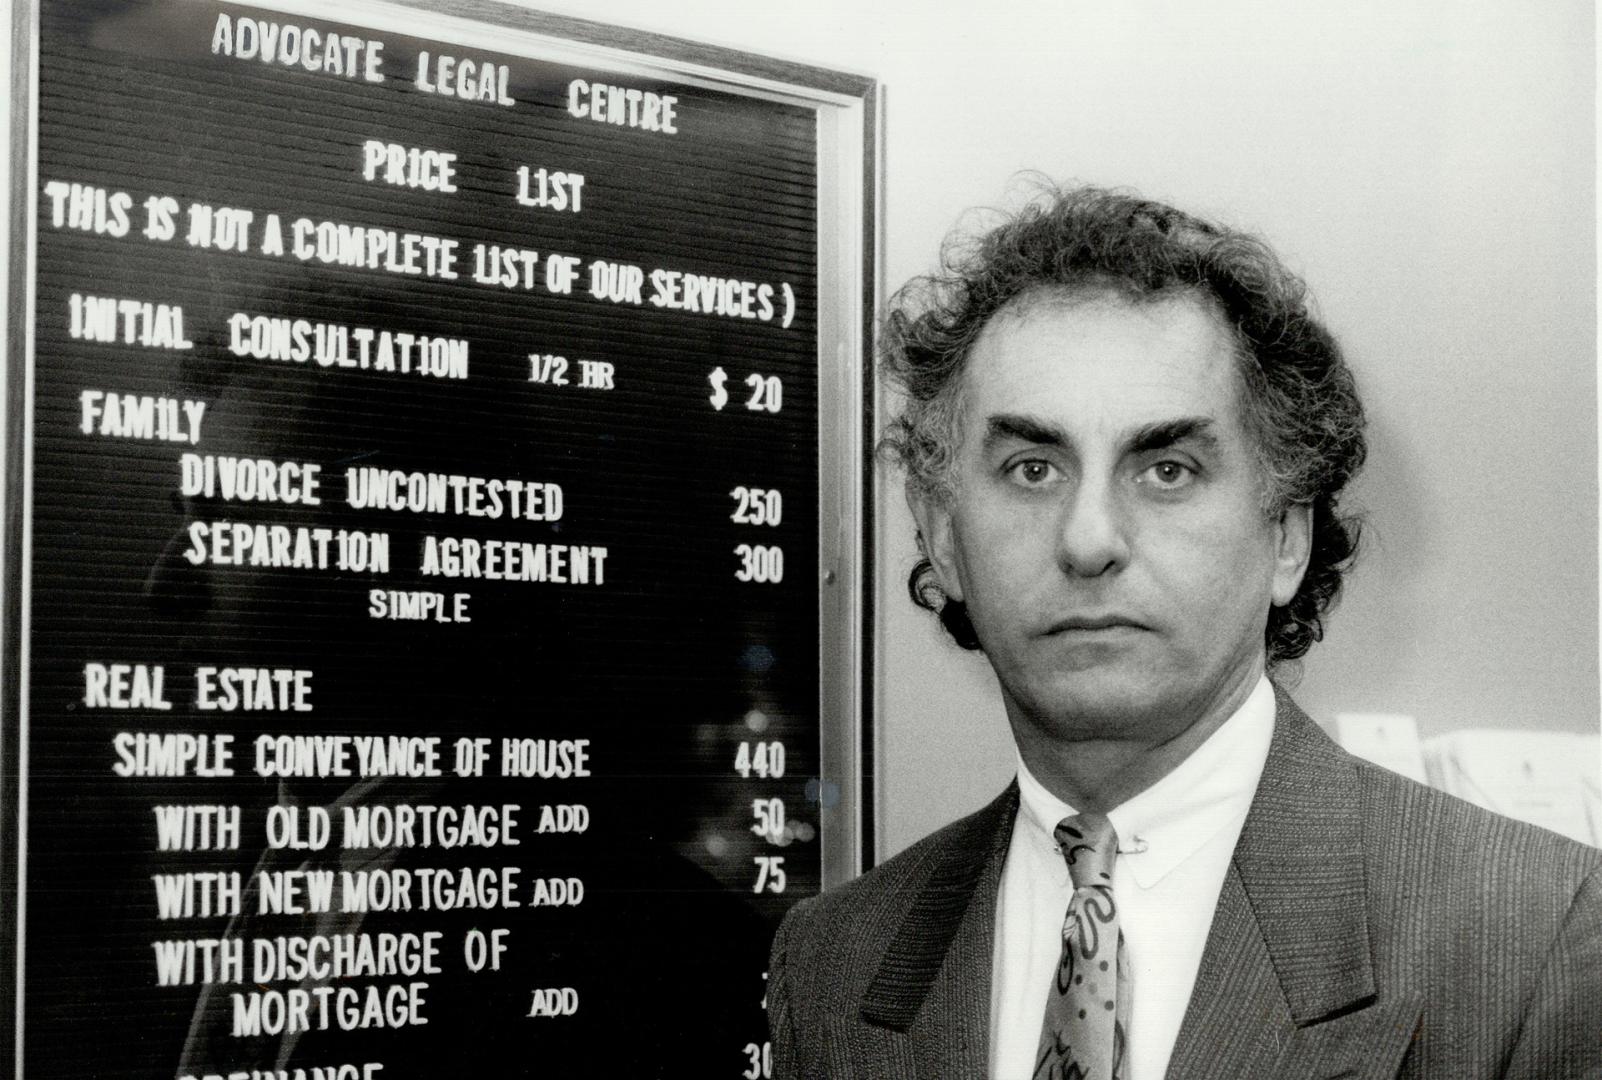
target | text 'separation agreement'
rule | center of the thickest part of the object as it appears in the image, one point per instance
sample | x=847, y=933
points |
x=438, y=464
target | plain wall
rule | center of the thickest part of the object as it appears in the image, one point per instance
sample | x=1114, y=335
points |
x=1428, y=166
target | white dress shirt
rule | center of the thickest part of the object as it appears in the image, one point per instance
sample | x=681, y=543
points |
x=1174, y=841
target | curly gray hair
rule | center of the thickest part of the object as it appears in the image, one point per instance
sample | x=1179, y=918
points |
x=1298, y=396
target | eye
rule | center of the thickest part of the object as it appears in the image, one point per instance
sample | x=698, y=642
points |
x=1167, y=475
x=1032, y=472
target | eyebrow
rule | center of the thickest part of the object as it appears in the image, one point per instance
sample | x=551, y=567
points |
x=1166, y=433
x=1155, y=436
x=1004, y=426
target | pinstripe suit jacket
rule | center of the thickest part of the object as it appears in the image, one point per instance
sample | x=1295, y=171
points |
x=1368, y=927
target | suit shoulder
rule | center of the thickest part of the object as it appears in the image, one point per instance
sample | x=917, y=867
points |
x=893, y=884
x=1419, y=833
x=831, y=945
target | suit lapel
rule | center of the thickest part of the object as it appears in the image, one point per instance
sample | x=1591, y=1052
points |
x=1237, y=1021
x=1286, y=985
x=934, y=982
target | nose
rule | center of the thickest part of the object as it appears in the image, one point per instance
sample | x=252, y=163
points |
x=1092, y=536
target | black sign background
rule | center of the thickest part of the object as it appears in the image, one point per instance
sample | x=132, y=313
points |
x=667, y=667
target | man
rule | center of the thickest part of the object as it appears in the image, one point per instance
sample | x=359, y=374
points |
x=1125, y=441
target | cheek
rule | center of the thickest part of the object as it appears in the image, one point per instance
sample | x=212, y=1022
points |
x=1220, y=572
x=998, y=567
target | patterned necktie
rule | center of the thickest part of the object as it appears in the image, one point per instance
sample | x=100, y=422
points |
x=1087, y=1007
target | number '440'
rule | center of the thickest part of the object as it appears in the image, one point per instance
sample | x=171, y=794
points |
x=765, y=759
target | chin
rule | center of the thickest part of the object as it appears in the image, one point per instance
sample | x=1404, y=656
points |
x=1097, y=703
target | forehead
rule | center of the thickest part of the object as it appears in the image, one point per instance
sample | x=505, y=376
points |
x=1102, y=361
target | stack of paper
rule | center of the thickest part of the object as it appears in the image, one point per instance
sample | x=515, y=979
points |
x=1548, y=778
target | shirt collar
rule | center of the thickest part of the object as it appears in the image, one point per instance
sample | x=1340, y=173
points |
x=1210, y=790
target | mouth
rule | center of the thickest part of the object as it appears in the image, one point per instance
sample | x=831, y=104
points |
x=1095, y=624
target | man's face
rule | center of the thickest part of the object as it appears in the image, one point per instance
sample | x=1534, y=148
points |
x=1107, y=532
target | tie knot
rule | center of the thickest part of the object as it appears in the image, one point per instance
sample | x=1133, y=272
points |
x=1089, y=843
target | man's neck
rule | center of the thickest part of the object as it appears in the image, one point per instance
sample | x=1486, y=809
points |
x=1098, y=774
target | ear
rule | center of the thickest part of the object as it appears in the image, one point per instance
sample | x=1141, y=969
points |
x=935, y=537
x=1294, y=532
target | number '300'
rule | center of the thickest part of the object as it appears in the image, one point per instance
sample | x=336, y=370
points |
x=760, y=563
